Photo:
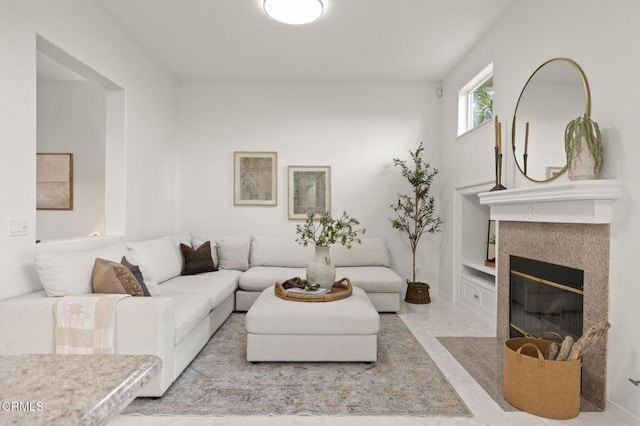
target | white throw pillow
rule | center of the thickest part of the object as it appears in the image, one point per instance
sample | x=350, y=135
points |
x=280, y=251
x=371, y=252
x=182, y=238
x=159, y=257
x=198, y=239
x=234, y=254
x=66, y=273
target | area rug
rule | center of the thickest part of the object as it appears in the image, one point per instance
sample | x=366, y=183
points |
x=220, y=382
x=482, y=358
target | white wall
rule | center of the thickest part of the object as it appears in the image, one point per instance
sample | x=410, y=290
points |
x=72, y=119
x=601, y=37
x=89, y=34
x=357, y=129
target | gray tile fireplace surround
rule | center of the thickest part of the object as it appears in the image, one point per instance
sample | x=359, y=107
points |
x=576, y=245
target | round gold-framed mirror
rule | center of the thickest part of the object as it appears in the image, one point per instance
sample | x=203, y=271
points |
x=556, y=93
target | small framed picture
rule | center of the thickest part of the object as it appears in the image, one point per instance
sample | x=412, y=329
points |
x=255, y=180
x=491, y=241
x=553, y=172
x=54, y=181
x=309, y=190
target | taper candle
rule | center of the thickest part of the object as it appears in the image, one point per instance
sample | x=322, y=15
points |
x=496, y=124
x=526, y=138
x=499, y=138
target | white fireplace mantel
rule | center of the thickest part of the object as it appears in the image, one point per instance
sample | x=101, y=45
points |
x=588, y=201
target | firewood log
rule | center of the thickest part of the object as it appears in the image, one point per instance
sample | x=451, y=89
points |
x=551, y=352
x=583, y=344
x=565, y=349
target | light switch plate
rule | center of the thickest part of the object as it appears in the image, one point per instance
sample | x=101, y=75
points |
x=17, y=226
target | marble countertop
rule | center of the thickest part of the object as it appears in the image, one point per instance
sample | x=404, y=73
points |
x=70, y=389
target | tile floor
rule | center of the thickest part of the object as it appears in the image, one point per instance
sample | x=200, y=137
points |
x=427, y=322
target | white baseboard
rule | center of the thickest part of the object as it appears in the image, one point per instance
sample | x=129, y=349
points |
x=627, y=418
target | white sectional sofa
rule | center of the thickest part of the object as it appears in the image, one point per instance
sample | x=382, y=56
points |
x=184, y=310
x=367, y=265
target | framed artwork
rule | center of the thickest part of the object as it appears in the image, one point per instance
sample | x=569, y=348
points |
x=54, y=181
x=255, y=180
x=309, y=190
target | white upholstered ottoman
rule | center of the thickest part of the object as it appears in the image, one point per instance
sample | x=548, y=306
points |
x=285, y=330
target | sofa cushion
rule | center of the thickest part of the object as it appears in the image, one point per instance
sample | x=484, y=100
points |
x=197, y=261
x=181, y=238
x=372, y=279
x=216, y=286
x=113, y=277
x=370, y=252
x=160, y=256
x=257, y=278
x=65, y=273
x=188, y=310
x=279, y=251
x=234, y=254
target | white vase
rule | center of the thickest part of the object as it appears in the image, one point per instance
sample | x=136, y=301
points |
x=321, y=270
x=581, y=166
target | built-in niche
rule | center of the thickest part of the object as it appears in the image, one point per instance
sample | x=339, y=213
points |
x=80, y=112
x=476, y=276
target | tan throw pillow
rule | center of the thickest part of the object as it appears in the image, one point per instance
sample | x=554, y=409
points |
x=113, y=277
x=197, y=261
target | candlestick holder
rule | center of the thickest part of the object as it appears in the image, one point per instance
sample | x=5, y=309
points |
x=498, y=157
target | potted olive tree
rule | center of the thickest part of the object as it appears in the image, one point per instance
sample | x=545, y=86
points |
x=322, y=230
x=415, y=215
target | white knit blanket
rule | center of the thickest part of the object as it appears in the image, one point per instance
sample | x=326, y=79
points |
x=85, y=324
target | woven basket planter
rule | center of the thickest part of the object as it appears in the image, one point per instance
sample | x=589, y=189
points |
x=417, y=293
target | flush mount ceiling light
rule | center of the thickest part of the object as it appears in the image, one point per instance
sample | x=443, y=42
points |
x=294, y=12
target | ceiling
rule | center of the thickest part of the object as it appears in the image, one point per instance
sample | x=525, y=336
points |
x=354, y=40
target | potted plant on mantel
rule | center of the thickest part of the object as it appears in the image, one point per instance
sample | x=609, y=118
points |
x=415, y=215
x=583, y=145
x=322, y=230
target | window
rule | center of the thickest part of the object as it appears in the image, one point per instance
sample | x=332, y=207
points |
x=481, y=103
x=475, y=101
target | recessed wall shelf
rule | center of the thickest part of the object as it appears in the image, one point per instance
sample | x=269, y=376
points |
x=480, y=267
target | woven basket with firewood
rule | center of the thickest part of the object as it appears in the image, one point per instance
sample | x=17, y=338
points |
x=542, y=377
x=568, y=349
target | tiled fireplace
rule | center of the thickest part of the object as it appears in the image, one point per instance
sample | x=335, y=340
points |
x=579, y=246
x=566, y=225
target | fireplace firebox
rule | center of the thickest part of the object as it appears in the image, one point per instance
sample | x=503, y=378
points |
x=544, y=297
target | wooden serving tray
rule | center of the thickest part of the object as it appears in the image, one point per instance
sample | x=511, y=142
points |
x=340, y=290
